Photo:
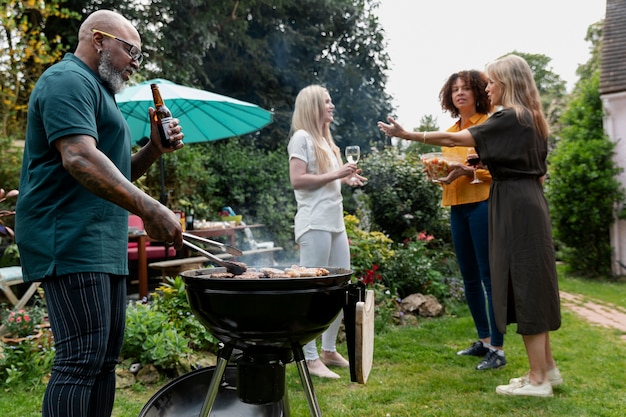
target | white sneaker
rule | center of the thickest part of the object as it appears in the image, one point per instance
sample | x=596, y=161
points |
x=554, y=377
x=523, y=386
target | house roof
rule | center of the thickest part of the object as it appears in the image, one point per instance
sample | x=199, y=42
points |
x=613, y=64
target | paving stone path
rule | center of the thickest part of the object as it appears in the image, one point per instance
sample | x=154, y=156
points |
x=597, y=312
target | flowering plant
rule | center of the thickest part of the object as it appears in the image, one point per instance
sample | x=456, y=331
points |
x=368, y=250
x=22, y=323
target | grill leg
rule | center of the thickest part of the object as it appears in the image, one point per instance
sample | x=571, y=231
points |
x=223, y=357
x=305, y=379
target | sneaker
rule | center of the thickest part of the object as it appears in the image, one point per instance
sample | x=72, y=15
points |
x=492, y=360
x=522, y=386
x=476, y=349
x=554, y=377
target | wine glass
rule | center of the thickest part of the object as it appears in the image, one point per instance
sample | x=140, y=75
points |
x=473, y=160
x=353, y=153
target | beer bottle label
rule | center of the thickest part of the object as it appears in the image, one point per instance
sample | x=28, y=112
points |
x=165, y=125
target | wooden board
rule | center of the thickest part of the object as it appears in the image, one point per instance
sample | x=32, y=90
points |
x=364, y=337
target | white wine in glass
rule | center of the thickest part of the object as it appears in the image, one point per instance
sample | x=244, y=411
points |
x=353, y=153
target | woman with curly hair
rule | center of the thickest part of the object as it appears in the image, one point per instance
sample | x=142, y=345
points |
x=464, y=97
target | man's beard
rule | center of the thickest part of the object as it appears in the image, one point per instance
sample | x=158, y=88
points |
x=111, y=76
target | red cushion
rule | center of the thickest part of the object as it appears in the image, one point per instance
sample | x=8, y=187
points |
x=137, y=223
x=152, y=252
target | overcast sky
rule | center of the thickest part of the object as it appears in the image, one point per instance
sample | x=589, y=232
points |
x=430, y=39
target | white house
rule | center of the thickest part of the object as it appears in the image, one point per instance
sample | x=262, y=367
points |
x=613, y=95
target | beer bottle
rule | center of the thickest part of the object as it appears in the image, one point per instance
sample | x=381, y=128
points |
x=163, y=116
x=189, y=220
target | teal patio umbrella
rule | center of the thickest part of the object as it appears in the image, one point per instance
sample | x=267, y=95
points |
x=204, y=116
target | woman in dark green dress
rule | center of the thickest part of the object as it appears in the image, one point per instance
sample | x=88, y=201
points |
x=513, y=144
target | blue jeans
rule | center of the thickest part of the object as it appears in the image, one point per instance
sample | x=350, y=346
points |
x=87, y=314
x=470, y=235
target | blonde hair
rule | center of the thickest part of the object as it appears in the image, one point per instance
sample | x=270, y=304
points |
x=519, y=90
x=308, y=115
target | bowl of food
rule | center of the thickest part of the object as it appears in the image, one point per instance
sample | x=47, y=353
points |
x=236, y=219
x=439, y=165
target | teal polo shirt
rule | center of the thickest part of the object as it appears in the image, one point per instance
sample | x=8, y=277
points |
x=61, y=227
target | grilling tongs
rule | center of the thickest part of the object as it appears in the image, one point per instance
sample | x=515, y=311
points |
x=235, y=268
x=225, y=248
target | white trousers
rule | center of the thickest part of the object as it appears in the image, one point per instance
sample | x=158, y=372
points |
x=324, y=249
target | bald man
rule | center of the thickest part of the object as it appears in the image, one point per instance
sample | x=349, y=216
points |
x=72, y=212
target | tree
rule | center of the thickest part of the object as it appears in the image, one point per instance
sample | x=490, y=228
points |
x=550, y=85
x=28, y=50
x=265, y=52
x=258, y=51
x=355, y=74
x=427, y=124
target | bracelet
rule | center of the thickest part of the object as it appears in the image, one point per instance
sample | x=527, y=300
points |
x=424, y=138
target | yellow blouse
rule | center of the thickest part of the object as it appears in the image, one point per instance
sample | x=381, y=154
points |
x=460, y=191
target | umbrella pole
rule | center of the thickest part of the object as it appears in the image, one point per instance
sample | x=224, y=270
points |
x=163, y=196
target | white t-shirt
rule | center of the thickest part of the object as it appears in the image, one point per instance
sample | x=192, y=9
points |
x=320, y=208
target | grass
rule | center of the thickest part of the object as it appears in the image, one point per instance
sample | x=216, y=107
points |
x=416, y=373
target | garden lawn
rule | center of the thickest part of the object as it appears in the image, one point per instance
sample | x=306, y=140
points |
x=416, y=373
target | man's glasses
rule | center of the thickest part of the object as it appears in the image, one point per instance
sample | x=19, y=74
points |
x=134, y=52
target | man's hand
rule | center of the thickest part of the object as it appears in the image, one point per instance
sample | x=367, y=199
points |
x=175, y=133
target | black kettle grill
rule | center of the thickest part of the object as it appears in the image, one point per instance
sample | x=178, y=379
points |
x=266, y=322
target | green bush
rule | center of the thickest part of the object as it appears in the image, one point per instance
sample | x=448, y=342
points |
x=402, y=201
x=368, y=250
x=582, y=188
x=165, y=332
x=151, y=338
x=420, y=265
x=27, y=362
x=171, y=299
x=582, y=191
x=395, y=270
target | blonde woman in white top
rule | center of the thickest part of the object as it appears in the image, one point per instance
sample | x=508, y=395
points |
x=316, y=172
